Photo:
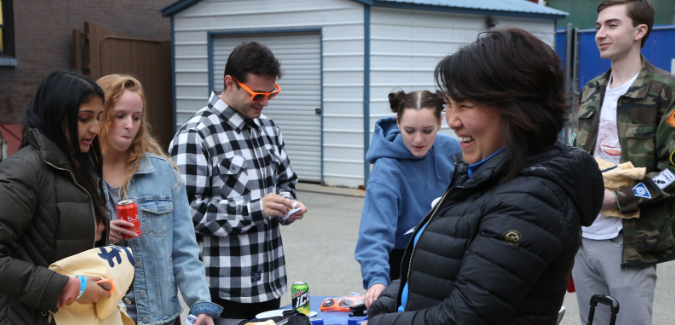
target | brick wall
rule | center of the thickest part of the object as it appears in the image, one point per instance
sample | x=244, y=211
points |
x=43, y=39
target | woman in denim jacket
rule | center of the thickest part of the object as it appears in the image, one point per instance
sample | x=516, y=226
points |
x=166, y=254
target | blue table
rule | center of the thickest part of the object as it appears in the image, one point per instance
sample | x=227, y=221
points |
x=330, y=317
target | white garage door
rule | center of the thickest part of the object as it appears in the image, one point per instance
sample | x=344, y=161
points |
x=297, y=108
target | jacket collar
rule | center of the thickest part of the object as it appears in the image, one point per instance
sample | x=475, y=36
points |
x=230, y=116
x=145, y=166
x=49, y=151
x=640, y=86
x=490, y=168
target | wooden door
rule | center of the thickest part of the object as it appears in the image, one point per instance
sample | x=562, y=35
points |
x=99, y=52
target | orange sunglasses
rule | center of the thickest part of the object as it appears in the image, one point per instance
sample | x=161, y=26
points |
x=256, y=96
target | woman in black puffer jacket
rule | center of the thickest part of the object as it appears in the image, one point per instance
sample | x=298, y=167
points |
x=50, y=201
x=499, y=246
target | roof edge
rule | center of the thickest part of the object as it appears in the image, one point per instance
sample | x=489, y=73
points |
x=181, y=5
x=177, y=7
x=443, y=8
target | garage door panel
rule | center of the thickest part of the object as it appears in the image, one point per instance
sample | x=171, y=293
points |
x=294, y=110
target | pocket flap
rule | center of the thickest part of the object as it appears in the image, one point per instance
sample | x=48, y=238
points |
x=640, y=130
x=232, y=166
x=274, y=156
x=156, y=205
x=587, y=112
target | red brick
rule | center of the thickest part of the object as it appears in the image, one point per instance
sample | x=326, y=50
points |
x=43, y=39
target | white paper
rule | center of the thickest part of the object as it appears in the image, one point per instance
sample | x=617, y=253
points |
x=291, y=212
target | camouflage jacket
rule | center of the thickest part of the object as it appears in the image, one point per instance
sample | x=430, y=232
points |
x=646, y=127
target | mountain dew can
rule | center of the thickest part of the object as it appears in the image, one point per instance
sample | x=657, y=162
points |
x=300, y=292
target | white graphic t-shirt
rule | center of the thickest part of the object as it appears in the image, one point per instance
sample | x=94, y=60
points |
x=607, y=147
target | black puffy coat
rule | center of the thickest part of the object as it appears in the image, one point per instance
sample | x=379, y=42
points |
x=496, y=252
x=44, y=217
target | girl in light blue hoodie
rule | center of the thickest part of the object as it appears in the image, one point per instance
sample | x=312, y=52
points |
x=413, y=165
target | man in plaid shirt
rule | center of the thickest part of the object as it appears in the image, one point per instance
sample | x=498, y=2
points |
x=240, y=185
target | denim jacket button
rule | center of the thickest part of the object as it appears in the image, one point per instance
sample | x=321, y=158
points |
x=142, y=292
x=139, y=263
x=145, y=319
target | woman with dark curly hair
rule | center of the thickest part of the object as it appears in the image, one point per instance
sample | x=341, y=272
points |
x=500, y=245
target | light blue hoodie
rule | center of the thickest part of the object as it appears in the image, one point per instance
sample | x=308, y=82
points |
x=399, y=193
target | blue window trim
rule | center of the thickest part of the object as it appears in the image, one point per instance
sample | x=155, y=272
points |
x=177, y=7
x=209, y=49
x=322, y=109
x=366, y=91
x=173, y=76
x=212, y=34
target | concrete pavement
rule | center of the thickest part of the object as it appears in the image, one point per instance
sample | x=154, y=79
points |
x=320, y=248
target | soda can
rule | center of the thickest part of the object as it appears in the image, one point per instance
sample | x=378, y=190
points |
x=127, y=210
x=300, y=292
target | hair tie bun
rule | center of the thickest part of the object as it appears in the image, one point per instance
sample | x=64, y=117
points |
x=395, y=100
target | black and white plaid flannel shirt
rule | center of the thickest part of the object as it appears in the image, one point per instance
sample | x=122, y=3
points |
x=229, y=164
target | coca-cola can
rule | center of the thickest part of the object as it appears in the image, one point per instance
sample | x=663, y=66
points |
x=127, y=210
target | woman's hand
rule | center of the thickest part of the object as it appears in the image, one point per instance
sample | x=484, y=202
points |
x=69, y=293
x=119, y=228
x=93, y=292
x=373, y=292
x=204, y=319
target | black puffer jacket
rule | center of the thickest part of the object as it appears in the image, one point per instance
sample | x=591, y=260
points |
x=498, y=252
x=44, y=217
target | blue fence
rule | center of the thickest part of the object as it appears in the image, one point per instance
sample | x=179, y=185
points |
x=659, y=50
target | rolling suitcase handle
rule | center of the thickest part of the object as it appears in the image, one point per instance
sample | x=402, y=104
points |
x=605, y=300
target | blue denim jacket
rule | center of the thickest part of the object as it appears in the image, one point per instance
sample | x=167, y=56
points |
x=166, y=255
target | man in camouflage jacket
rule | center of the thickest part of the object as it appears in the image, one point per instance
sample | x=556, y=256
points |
x=645, y=125
x=649, y=141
